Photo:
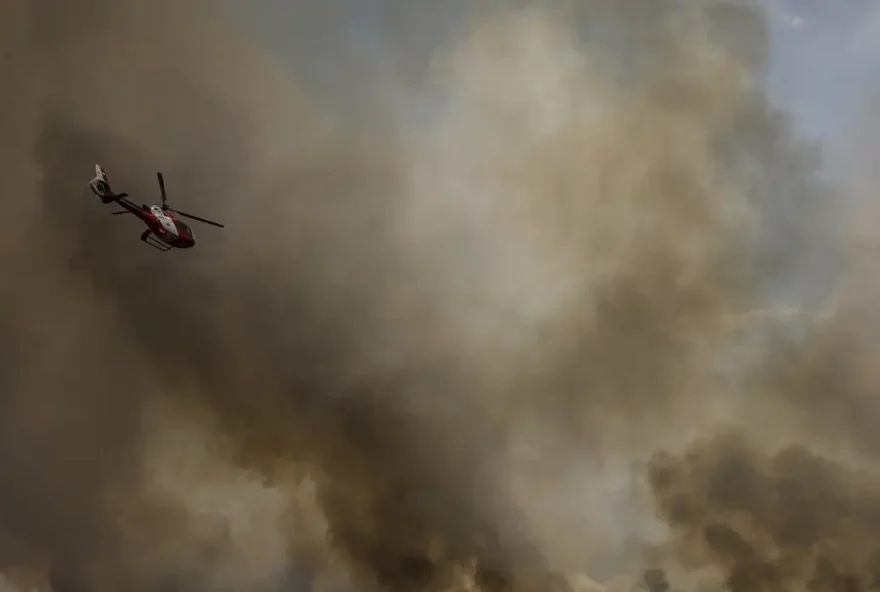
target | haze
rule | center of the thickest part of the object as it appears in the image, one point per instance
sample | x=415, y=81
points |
x=511, y=296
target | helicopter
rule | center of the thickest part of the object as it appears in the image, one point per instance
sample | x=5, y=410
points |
x=165, y=230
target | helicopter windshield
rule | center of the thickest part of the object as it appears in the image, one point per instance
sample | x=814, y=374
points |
x=183, y=226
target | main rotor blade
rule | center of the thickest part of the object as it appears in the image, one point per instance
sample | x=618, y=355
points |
x=162, y=189
x=120, y=213
x=199, y=219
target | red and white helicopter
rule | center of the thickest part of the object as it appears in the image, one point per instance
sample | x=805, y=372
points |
x=165, y=231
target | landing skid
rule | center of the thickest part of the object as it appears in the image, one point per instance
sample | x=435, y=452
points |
x=148, y=238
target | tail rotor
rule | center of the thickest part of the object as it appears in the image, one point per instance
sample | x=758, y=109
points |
x=100, y=186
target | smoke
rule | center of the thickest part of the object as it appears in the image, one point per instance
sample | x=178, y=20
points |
x=771, y=521
x=445, y=316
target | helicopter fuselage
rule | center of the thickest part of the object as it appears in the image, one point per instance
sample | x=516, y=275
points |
x=163, y=225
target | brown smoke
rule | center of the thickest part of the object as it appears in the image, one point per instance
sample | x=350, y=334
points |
x=792, y=505
x=782, y=521
x=418, y=320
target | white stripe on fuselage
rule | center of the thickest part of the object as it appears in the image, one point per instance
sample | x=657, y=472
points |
x=166, y=223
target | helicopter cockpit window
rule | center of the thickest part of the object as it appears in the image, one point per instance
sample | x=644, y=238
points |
x=185, y=228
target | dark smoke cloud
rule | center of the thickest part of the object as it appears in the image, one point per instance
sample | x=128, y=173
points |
x=393, y=307
x=771, y=521
x=255, y=311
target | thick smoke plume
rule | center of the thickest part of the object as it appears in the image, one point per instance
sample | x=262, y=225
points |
x=511, y=246
x=781, y=521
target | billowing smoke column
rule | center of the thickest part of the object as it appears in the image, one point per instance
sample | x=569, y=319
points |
x=771, y=521
x=512, y=252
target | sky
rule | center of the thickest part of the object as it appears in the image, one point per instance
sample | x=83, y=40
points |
x=824, y=62
x=821, y=68
x=823, y=59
